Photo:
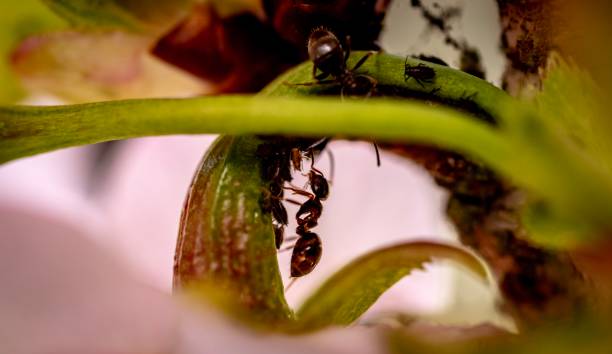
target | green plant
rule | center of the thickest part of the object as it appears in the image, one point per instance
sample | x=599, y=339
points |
x=546, y=146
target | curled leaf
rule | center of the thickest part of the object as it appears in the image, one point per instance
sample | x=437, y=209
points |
x=225, y=250
x=346, y=295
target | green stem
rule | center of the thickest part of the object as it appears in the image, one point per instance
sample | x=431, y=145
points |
x=26, y=131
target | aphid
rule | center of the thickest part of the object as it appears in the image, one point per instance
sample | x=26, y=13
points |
x=329, y=57
x=306, y=254
x=421, y=73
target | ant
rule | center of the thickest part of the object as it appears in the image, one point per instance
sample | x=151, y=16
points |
x=330, y=58
x=307, y=249
x=421, y=73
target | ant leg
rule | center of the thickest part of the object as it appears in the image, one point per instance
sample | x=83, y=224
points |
x=318, y=143
x=300, y=192
x=288, y=248
x=319, y=77
x=377, y=154
x=362, y=60
x=332, y=166
x=420, y=83
x=322, y=82
x=292, y=238
x=294, y=202
x=347, y=51
x=373, y=82
x=311, y=155
x=290, y=284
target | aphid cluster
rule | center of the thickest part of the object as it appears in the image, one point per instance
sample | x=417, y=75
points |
x=278, y=156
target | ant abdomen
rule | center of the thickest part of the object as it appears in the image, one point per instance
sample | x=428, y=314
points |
x=306, y=254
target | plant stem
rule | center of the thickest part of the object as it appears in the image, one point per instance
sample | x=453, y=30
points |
x=27, y=131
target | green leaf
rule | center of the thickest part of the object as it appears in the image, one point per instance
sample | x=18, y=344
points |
x=522, y=147
x=346, y=295
x=589, y=336
x=134, y=15
x=225, y=249
x=19, y=19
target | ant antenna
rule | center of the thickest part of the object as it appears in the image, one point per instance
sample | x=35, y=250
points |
x=290, y=284
x=288, y=248
x=377, y=154
x=332, y=165
x=294, y=202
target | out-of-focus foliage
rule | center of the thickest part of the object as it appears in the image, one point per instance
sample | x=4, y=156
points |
x=566, y=124
x=589, y=336
x=135, y=15
x=97, y=65
x=19, y=19
x=347, y=294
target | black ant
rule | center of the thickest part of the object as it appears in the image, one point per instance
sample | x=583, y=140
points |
x=306, y=254
x=421, y=73
x=330, y=58
x=277, y=159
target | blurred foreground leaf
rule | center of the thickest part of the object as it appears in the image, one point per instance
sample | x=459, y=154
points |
x=100, y=65
x=19, y=19
x=590, y=336
x=352, y=290
x=134, y=15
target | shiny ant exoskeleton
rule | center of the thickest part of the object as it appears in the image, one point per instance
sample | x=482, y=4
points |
x=330, y=58
x=421, y=73
x=277, y=158
x=306, y=254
